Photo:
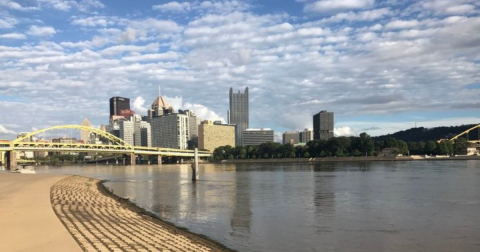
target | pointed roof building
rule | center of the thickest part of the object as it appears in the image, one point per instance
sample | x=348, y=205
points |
x=85, y=134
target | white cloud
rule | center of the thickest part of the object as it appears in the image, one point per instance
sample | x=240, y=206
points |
x=200, y=110
x=460, y=9
x=173, y=7
x=138, y=106
x=401, y=24
x=214, y=6
x=13, y=36
x=91, y=21
x=128, y=36
x=16, y=6
x=66, y=5
x=7, y=23
x=6, y=131
x=345, y=131
x=338, y=5
x=41, y=31
x=442, y=7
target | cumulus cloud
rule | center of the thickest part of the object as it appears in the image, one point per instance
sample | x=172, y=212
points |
x=336, y=5
x=345, y=131
x=222, y=6
x=7, y=23
x=138, y=106
x=386, y=64
x=200, y=110
x=128, y=36
x=6, y=131
x=41, y=31
x=401, y=24
x=13, y=36
x=173, y=7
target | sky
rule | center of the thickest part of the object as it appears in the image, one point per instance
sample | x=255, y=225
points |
x=380, y=66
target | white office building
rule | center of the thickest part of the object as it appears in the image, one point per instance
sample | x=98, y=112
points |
x=127, y=131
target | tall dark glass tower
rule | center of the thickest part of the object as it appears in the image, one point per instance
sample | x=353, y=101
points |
x=238, y=113
x=323, y=125
x=117, y=104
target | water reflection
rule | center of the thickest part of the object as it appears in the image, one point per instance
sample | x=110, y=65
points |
x=384, y=206
x=241, y=217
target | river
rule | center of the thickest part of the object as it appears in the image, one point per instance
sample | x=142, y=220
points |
x=365, y=206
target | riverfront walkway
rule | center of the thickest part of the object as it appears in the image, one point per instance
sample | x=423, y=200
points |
x=27, y=221
x=101, y=223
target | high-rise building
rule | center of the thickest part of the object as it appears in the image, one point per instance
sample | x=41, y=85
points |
x=127, y=131
x=85, y=134
x=192, y=124
x=117, y=104
x=291, y=137
x=142, y=134
x=306, y=135
x=323, y=125
x=257, y=136
x=170, y=131
x=159, y=107
x=238, y=114
x=213, y=135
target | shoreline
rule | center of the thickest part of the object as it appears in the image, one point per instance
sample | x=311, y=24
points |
x=149, y=215
x=89, y=211
x=343, y=159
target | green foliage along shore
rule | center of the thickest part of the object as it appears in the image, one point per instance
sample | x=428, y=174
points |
x=362, y=145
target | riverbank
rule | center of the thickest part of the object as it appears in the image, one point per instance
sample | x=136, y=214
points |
x=27, y=221
x=99, y=220
x=346, y=159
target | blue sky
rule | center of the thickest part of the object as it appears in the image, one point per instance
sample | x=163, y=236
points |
x=379, y=65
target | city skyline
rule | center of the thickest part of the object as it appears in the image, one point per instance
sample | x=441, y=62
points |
x=380, y=66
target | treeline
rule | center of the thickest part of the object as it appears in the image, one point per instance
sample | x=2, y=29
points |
x=363, y=145
x=434, y=134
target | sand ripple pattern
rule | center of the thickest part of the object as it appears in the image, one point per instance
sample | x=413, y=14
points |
x=101, y=223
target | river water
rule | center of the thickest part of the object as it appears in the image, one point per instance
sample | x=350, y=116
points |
x=376, y=206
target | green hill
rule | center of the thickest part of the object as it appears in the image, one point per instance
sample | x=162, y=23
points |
x=435, y=134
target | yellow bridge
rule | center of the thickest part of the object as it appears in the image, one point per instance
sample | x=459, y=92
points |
x=115, y=145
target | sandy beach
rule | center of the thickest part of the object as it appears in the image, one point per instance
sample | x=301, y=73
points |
x=27, y=220
x=44, y=212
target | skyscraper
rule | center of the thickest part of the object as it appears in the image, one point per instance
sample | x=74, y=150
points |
x=170, y=131
x=323, y=125
x=85, y=134
x=117, y=104
x=238, y=113
x=159, y=107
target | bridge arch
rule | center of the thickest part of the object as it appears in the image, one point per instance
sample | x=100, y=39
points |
x=465, y=132
x=110, y=137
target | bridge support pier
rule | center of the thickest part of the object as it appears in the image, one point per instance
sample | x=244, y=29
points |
x=131, y=159
x=159, y=159
x=11, y=160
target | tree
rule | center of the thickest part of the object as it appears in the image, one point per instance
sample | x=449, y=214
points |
x=460, y=145
x=306, y=154
x=430, y=147
x=391, y=142
x=402, y=147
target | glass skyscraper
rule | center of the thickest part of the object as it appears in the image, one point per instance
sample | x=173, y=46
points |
x=117, y=104
x=238, y=113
